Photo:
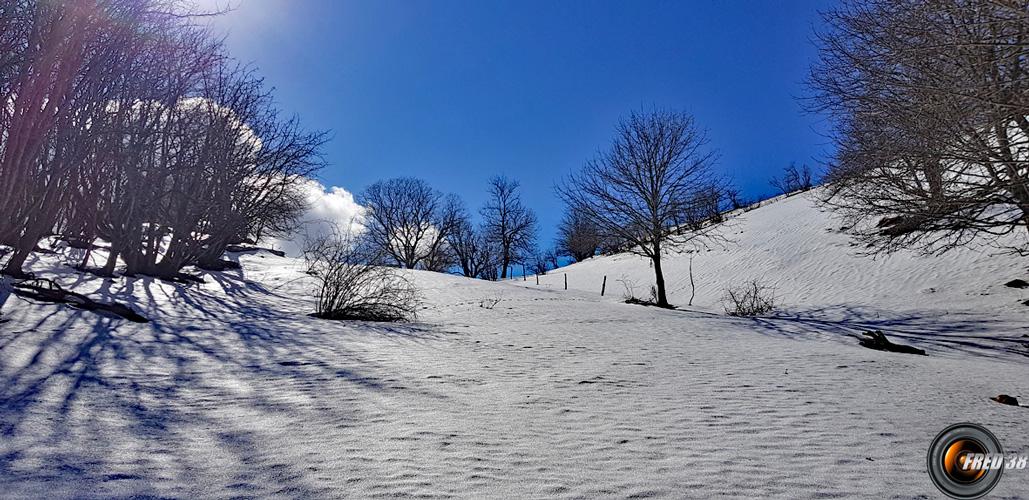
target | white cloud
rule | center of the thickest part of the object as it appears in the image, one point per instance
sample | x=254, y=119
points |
x=327, y=207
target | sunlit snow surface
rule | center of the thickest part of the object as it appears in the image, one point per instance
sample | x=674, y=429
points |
x=232, y=390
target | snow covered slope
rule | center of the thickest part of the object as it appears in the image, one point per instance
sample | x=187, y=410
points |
x=232, y=390
x=812, y=264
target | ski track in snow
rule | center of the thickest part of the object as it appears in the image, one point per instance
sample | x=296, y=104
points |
x=232, y=391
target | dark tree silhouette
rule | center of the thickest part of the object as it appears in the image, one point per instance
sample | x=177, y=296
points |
x=475, y=254
x=508, y=223
x=577, y=236
x=410, y=221
x=794, y=179
x=124, y=120
x=648, y=188
x=929, y=101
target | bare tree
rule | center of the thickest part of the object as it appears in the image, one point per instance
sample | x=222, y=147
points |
x=140, y=133
x=352, y=281
x=793, y=179
x=577, y=236
x=736, y=199
x=476, y=255
x=707, y=207
x=263, y=159
x=124, y=120
x=552, y=258
x=930, y=101
x=410, y=221
x=543, y=261
x=440, y=256
x=645, y=189
x=508, y=223
x=56, y=84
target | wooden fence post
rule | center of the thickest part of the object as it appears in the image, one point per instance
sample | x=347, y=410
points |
x=603, y=286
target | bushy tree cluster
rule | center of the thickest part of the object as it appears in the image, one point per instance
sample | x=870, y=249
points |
x=930, y=100
x=412, y=223
x=123, y=120
x=508, y=223
x=418, y=227
x=794, y=179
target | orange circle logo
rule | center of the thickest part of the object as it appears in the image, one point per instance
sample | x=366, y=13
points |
x=965, y=461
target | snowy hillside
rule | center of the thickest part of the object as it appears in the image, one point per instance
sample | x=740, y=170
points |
x=513, y=390
x=803, y=252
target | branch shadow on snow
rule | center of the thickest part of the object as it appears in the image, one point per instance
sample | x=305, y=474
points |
x=92, y=402
x=935, y=331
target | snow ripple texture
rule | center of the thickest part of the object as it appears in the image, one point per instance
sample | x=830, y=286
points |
x=233, y=391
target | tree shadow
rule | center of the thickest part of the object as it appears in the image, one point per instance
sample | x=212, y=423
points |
x=938, y=332
x=73, y=383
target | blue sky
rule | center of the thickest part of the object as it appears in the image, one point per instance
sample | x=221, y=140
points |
x=457, y=91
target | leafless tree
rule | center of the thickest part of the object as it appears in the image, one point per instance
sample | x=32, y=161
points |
x=141, y=132
x=736, y=199
x=543, y=261
x=930, y=100
x=707, y=207
x=215, y=149
x=232, y=164
x=440, y=257
x=508, y=223
x=577, y=236
x=491, y=273
x=552, y=258
x=262, y=160
x=793, y=179
x=410, y=221
x=56, y=84
x=353, y=282
x=124, y=120
x=646, y=188
x=476, y=255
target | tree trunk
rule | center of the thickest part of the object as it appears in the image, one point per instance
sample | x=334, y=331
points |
x=173, y=260
x=84, y=263
x=506, y=262
x=14, y=265
x=659, y=277
x=211, y=257
x=22, y=248
x=112, y=260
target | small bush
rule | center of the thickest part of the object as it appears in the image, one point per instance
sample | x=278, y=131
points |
x=752, y=298
x=353, y=283
x=490, y=302
x=629, y=296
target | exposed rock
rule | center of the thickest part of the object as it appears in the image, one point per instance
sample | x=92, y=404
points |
x=252, y=249
x=1017, y=283
x=1004, y=399
x=877, y=340
x=219, y=265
